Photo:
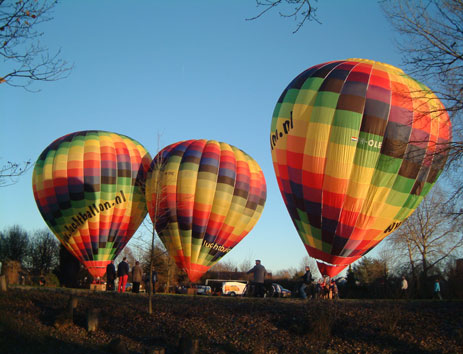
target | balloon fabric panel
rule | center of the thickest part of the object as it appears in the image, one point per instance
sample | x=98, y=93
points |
x=89, y=189
x=204, y=196
x=354, y=149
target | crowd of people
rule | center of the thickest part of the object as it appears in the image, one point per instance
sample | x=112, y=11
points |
x=324, y=288
x=121, y=275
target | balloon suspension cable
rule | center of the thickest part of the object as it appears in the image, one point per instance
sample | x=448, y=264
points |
x=329, y=269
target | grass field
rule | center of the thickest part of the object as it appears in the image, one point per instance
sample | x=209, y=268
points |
x=35, y=320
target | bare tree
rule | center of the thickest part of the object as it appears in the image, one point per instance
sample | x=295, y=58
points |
x=155, y=257
x=285, y=273
x=404, y=252
x=301, y=10
x=428, y=237
x=14, y=244
x=155, y=188
x=246, y=264
x=431, y=42
x=127, y=253
x=10, y=172
x=224, y=266
x=390, y=259
x=43, y=252
x=25, y=60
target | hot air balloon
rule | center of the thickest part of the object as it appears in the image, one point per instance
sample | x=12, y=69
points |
x=356, y=145
x=89, y=188
x=204, y=197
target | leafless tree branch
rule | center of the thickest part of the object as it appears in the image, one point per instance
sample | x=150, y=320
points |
x=25, y=59
x=302, y=10
x=11, y=171
x=429, y=235
x=430, y=38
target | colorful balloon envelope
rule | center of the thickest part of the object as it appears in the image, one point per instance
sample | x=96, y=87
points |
x=356, y=145
x=203, y=196
x=89, y=188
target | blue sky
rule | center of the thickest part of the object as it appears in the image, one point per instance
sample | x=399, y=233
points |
x=165, y=71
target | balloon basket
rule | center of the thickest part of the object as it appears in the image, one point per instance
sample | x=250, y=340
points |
x=98, y=287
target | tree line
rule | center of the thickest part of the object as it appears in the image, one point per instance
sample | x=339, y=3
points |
x=37, y=252
x=41, y=256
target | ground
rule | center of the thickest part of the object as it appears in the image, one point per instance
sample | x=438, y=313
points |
x=33, y=320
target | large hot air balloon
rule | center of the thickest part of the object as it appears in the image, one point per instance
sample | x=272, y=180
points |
x=89, y=188
x=356, y=145
x=203, y=196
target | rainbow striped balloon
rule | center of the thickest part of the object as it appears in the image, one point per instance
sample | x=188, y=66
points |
x=356, y=145
x=204, y=197
x=89, y=188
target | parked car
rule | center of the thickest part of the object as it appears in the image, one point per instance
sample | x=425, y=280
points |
x=279, y=291
x=203, y=290
x=233, y=288
x=129, y=286
x=181, y=289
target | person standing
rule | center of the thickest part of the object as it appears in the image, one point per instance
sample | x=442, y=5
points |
x=404, y=287
x=155, y=278
x=326, y=287
x=437, y=294
x=259, y=272
x=153, y=281
x=137, y=277
x=334, y=290
x=110, y=276
x=318, y=289
x=123, y=274
x=306, y=281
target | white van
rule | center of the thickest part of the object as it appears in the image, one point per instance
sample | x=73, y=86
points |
x=233, y=288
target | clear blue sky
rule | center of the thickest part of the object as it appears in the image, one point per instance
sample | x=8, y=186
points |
x=181, y=70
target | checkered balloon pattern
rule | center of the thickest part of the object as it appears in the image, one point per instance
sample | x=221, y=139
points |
x=356, y=145
x=204, y=197
x=89, y=188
